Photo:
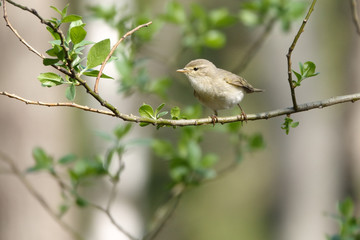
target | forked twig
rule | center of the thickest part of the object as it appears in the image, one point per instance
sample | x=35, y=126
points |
x=291, y=49
x=15, y=170
x=113, y=50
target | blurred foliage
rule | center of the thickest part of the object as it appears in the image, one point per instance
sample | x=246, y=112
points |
x=349, y=224
x=200, y=28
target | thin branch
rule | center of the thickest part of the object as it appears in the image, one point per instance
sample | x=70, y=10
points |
x=255, y=47
x=113, y=221
x=8, y=24
x=66, y=104
x=165, y=212
x=37, y=196
x=113, y=50
x=291, y=49
x=204, y=121
x=355, y=16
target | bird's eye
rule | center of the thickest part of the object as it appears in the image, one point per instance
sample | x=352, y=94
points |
x=195, y=68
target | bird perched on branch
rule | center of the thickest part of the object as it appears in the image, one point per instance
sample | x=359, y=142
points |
x=216, y=88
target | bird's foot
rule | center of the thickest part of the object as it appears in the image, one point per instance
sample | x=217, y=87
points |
x=214, y=119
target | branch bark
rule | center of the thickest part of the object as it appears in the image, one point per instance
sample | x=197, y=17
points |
x=201, y=121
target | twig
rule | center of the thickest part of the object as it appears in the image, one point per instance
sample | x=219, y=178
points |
x=355, y=16
x=67, y=104
x=37, y=196
x=8, y=24
x=113, y=50
x=169, y=209
x=255, y=47
x=204, y=121
x=109, y=215
x=291, y=49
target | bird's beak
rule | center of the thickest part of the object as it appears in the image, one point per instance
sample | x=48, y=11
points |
x=182, y=70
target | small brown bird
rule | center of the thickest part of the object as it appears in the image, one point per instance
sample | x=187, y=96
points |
x=216, y=88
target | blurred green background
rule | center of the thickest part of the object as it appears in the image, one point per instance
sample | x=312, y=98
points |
x=286, y=190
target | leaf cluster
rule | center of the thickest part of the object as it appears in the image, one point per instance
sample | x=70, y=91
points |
x=66, y=52
x=307, y=70
x=289, y=123
x=349, y=224
x=257, y=12
x=80, y=171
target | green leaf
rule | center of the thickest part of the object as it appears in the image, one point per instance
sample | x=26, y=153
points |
x=175, y=13
x=249, y=18
x=71, y=18
x=209, y=160
x=98, y=53
x=63, y=208
x=50, y=61
x=50, y=79
x=70, y=92
x=77, y=34
x=214, y=39
x=42, y=160
x=121, y=130
x=57, y=10
x=256, y=141
x=221, y=18
x=346, y=208
x=81, y=202
x=163, y=148
x=94, y=73
x=69, y=158
x=175, y=113
x=146, y=111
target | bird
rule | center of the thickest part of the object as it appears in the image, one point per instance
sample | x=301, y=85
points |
x=216, y=88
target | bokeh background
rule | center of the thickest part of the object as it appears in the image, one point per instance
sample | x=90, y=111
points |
x=286, y=191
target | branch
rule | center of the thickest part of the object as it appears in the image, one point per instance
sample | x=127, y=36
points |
x=353, y=5
x=251, y=52
x=8, y=24
x=202, y=121
x=291, y=49
x=113, y=50
x=37, y=196
x=109, y=215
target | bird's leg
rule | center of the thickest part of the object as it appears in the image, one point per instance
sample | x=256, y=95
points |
x=244, y=117
x=214, y=117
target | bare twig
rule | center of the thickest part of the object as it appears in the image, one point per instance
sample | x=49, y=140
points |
x=113, y=221
x=291, y=49
x=355, y=16
x=204, y=121
x=165, y=212
x=255, y=47
x=66, y=104
x=113, y=50
x=8, y=24
x=37, y=196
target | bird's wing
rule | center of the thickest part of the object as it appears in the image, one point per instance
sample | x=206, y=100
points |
x=238, y=81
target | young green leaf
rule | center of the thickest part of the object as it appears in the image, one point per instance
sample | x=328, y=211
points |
x=146, y=111
x=288, y=122
x=77, y=34
x=42, y=160
x=94, y=73
x=98, y=53
x=50, y=61
x=71, y=18
x=70, y=92
x=50, y=79
x=175, y=113
x=214, y=39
